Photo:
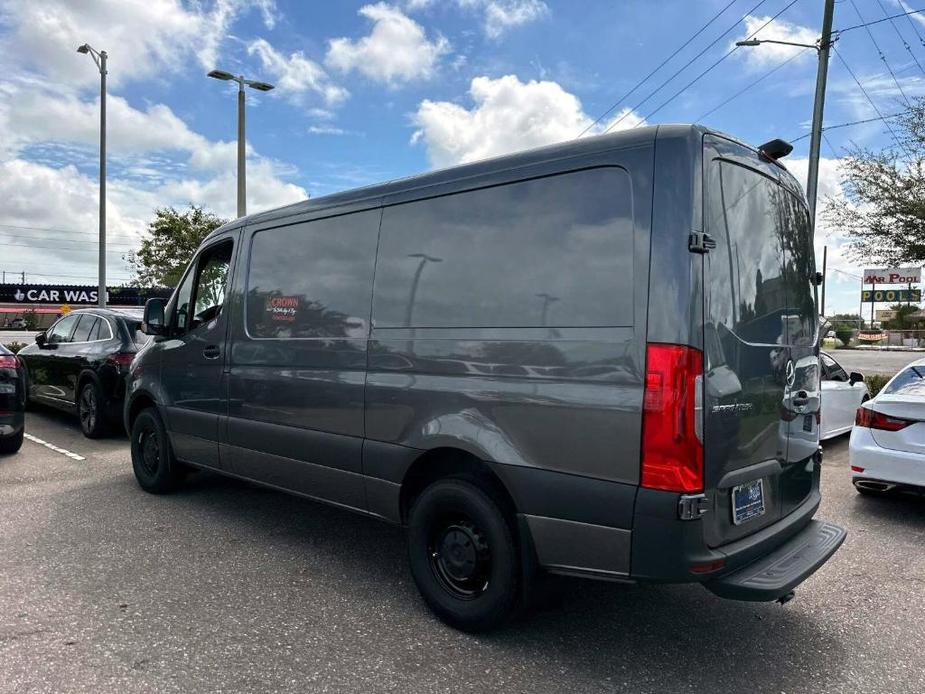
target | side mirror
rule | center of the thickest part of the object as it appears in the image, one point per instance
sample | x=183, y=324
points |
x=855, y=377
x=153, y=322
x=40, y=340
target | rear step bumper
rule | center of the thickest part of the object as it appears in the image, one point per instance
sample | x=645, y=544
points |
x=776, y=574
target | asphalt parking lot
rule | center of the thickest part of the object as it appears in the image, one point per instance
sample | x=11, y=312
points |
x=227, y=587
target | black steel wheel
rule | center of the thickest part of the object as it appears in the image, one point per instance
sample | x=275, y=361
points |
x=90, y=410
x=155, y=467
x=463, y=554
x=460, y=557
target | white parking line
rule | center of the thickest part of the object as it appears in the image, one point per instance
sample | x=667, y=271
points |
x=53, y=447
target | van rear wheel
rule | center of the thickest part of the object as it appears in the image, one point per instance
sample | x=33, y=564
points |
x=463, y=556
x=153, y=462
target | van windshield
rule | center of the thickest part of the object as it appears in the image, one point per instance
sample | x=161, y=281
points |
x=766, y=259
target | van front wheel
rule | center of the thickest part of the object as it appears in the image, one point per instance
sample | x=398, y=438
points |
x=155, y=467
x=463, y=556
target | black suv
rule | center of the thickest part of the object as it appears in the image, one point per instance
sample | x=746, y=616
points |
x=79, y=365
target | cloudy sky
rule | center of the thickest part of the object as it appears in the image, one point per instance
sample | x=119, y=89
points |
x=368, y=92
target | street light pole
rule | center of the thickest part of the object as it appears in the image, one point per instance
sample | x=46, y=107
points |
x=242, y=173
x=99, y=57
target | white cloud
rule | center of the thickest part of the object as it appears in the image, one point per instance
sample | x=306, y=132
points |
x=396, y=50
x=508, y=115
x=769, y=54
x=297, y=74
x=497, y=15
x=501, y=15
x=144, y=38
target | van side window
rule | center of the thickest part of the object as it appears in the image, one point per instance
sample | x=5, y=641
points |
x=554, y=251
x=202, y=294
x=314, y=279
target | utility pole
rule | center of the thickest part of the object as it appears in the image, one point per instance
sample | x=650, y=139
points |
x=99, y=57
x=815, y=138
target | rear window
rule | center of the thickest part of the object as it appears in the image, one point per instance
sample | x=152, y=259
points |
x=762, y=270
x=554, y=252
x=911, y=381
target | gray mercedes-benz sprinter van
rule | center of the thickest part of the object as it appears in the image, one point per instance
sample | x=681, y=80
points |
x=597, y=358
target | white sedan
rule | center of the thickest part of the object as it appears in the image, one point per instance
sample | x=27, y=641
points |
x=887, y=447
x=842, y=394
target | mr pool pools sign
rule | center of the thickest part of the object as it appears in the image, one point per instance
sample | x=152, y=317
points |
x=893, y=275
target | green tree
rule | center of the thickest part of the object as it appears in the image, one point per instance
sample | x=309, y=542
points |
x=902, y=320
x=883, y=211
x=171, y=240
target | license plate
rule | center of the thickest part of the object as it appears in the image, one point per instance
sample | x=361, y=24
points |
x=747, y=501
x=808, y=422
x=7, y=388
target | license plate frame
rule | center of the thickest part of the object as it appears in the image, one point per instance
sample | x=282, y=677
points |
x=7, y=388
x=747, y=501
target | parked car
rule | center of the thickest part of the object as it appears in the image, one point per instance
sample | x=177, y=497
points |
x=318, y=349
x=842, y=394
x=887, y=446
x=17, y=324
x=79, y=365
x=12, y=401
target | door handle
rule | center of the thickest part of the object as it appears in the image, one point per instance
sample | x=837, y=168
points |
x=211, y=352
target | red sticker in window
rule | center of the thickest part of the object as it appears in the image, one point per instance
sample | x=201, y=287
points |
x=283, y=308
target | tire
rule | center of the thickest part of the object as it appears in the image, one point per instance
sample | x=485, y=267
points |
x=464, y=558
x=91, y=411
x=153, y=462
x=11, y=444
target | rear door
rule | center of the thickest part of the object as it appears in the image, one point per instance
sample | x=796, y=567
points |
x=761, y=394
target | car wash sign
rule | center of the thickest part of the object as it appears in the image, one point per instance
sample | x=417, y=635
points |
x=76, y=295
x=49, y=294
x=893, y=275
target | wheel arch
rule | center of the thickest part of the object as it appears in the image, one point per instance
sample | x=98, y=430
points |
x=447, y=462
x=139, y=401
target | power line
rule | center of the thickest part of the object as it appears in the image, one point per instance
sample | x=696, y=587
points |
x=4, y=236
x=721, y=59
x=685, y=66
x=660, y=66
x=54, y=246
x=745, y=89
x=876, y=21
x=915, y=29
x=901, y=37
x=867, y=96
x=850, y=123
x=882, y=56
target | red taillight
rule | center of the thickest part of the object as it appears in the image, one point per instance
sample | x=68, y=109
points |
x=672, y=453
x=857, y=468
x=122, y=358
x=9, y=361
x=872, y=419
